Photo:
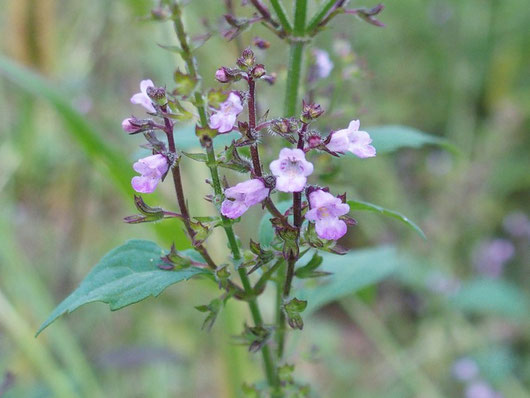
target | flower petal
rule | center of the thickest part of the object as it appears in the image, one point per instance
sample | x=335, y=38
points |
x=331, y=228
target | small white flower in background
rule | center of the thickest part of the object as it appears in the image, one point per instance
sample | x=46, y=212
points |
x=481, y=389
x=323, y=63
x=490, y=257
x=465, y=369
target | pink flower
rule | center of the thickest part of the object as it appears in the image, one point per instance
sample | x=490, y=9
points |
x=240, y=197
x=225, y=118
x=142, y=98
x=325, y=212
x=323, y=63
x=353, y=140
x=129, y=127
x=152, y=169
x=291, y=170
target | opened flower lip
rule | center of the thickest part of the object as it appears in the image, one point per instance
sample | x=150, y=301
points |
x=325, y=212
x=242, y=196
x=224, y=119
x=353, y=140
x=142, y=98
x=152, y=169
x=291, y=170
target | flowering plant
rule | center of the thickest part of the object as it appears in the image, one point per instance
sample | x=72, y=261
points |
x=302, y=231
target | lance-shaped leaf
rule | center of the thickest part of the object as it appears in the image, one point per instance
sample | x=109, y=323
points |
x=126, y=275
x=350, y=273
x=360, y=205
x=393, y=137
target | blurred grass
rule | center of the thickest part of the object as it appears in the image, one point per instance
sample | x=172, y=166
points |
x=456, y=69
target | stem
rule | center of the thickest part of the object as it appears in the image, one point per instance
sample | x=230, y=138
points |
x=293, y=78
x=314, y=22
x=291, y=100
x=254, y=152
x=282, y=16
x=295, y=58
x=270, y=369
x=179, y=191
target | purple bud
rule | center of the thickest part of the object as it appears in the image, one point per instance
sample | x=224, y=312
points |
x=311, y=112
x=221, y=75
x=258, y=71
x=128, y=126
x=262, y=44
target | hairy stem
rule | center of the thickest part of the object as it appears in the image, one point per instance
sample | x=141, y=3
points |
x=291, y=100
x=319, y=16
x=270, y=369
x=282, y=16
x=179, y=191
x=295, y=58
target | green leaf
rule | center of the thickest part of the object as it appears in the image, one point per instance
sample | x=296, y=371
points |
x=350, y=273
x=186, y=139
x=393, y=137
x=360, y=205
x=491, y=296
x=126, y=275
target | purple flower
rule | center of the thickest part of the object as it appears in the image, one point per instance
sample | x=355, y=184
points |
x=517, y=224
x=225, y=118
x=325, y=212
x=465, y=369
x=291, y=170
x=152, y=169
x=490, y=257
x=353, y=140
x=142, y=98
x=323, y=63
x=481, y=389
x=240, y=197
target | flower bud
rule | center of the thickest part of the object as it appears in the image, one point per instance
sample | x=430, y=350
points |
x=160, y=14
x=132, y=125
x=311, y=112
x=262, y=44
x=221, y=75
x=314, y=141
x=157, y=95
x=258, y=71
x=247, y=59
x=271, y=79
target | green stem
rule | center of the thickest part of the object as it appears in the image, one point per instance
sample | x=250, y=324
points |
x=270, y=369
x=291, y=99
x=295, y=58
x=324, y=9
x=282, y=16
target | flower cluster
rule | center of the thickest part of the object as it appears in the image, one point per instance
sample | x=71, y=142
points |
x=289, y=172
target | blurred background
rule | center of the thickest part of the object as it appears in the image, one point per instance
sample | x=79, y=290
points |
x=451, y=321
